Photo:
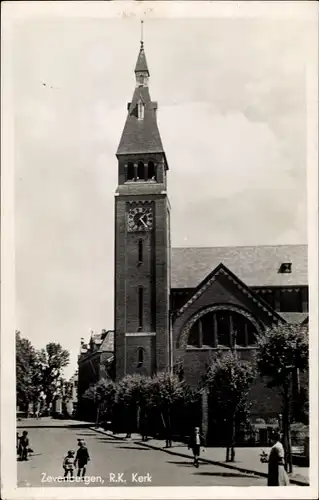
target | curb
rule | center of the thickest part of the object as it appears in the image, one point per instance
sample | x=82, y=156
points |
x=202, y=460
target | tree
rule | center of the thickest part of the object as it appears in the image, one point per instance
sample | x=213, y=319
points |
x=229, y=379
x=26, y=370
x=102, y=396
x=50, y=362
x=166, y=390
x=282, y=351
x=128, y=398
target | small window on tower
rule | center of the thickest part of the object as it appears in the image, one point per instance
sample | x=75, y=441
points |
x=151, y=171
x=130, y=172
x=140, y=307
x=140, y=110
x=140, y=171
x=140, y=251
x=285, y=268
x=140, y=357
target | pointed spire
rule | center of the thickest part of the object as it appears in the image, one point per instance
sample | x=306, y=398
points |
x=141, y=64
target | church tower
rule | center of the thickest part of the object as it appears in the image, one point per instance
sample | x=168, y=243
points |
x=142, y=239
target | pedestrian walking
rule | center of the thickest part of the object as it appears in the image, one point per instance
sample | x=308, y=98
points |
x=23, y=446
x=277, y=475
x=195, y=442
x=68, y=465
x=82, y=458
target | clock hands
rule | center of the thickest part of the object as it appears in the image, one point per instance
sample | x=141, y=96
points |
x=142, y=220
x=139, y=219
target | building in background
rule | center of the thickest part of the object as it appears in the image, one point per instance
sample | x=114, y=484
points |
x=95, y=362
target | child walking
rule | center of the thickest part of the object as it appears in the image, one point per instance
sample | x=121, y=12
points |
x=82, y=458
x=196, y=440
x=68, y=465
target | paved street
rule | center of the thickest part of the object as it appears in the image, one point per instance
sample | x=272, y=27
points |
x=109, y=455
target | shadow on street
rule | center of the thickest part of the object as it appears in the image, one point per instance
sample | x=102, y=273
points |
x=223, y=474
x=139, y=448
x=185, y=464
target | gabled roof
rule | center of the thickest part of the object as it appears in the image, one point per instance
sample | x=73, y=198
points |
x=254, y=265
x=221, y=269
x=141, y=136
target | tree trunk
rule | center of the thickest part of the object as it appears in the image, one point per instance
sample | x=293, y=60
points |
x=286, y=429
x=97, y=416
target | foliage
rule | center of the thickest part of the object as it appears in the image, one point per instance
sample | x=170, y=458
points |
x=166, y=389
x=51, y=361
x=26, y=363
x=281, y=349
x=38, y=371
x=229, y=380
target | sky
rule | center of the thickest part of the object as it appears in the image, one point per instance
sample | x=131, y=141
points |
x=232, y=117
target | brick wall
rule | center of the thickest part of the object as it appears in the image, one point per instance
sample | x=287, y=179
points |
x=152, y=275
x=147, y=343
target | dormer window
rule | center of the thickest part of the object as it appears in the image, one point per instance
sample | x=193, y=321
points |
x=140, y=110
x=285, y=268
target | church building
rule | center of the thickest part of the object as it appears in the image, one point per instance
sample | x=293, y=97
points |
x=182, y=305
x=177, y=308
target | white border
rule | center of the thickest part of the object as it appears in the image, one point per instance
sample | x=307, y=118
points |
x=18, y=11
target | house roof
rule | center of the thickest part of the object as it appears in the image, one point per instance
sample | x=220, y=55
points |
x=141, y=136
x=108, y=342
x=254, y=265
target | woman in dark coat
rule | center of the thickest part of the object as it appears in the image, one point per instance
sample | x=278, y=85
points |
x=277, y=475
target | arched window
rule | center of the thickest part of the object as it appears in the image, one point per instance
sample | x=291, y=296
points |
x=130, y=171
x=140, y=251
x=193, y=338
x=151, y=171
x=140, y=171
x=140, y=357
x=240, y=328
x=140, y=307
x=223, y=336
x=222, y=328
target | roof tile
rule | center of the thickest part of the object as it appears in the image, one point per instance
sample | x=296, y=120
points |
x=254, y=265
x=141, y=136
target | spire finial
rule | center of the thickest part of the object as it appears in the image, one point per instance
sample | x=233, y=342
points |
x=142, y=42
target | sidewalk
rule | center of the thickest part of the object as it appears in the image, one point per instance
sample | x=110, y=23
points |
x=26, y=423
x=247, y=459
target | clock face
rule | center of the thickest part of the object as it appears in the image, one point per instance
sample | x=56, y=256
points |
x=140, y=219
